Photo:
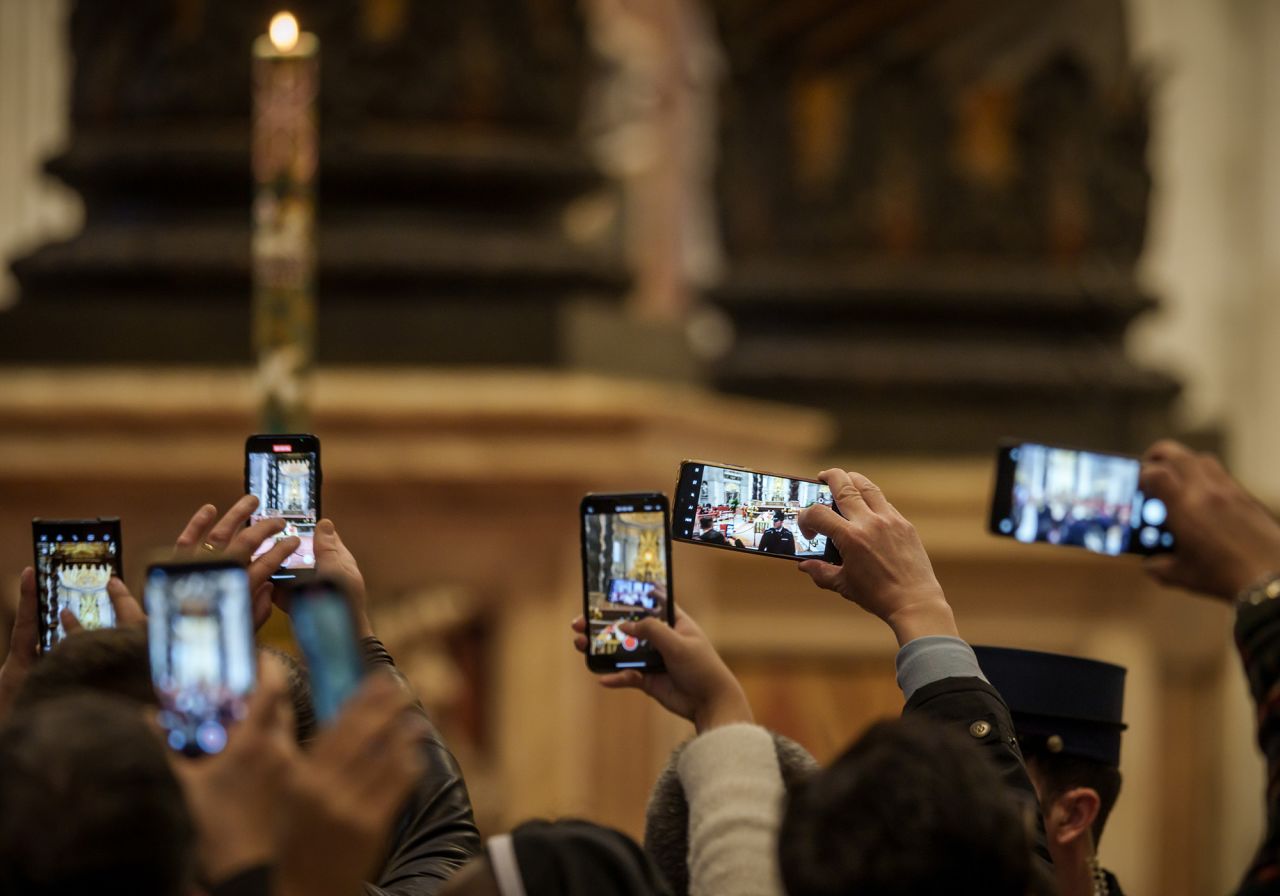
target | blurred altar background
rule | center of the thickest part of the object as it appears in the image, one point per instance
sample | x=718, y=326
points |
x=563, y=244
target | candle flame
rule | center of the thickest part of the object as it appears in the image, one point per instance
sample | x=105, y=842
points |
x=283, y=31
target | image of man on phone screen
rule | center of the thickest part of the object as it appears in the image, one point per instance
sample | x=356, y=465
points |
x=778, y=540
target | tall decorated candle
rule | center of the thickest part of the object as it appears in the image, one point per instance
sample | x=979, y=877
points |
x=286, y=70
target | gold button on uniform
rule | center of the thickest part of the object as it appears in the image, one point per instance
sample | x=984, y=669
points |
x=980, y=728
x=1054, y=743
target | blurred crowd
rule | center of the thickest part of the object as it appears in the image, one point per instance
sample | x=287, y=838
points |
x=998, y=778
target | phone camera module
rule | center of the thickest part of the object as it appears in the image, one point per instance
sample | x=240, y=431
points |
x=1154, y=513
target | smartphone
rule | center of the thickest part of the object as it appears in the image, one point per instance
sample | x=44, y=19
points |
x=325, y=631
x=737, y=509
x=626, y=576
x=203, y=659
x=283, y=473
x=74, y=560
x=1084, y=499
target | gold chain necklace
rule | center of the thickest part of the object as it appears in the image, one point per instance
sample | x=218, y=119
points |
x=1099, y=876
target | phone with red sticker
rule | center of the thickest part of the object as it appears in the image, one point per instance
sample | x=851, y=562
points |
x=626, y=575
x=283, y=472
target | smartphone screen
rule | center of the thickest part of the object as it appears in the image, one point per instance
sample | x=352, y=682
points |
x=746, y=510
x=203, y=659
x=283, y=473
x=1084, y=499
x=74, y=560
x=626, y=575
x=323, y=628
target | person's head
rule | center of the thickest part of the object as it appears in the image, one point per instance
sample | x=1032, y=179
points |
x=911, y=807
x=778, y=518
x=110, y=661
x=1076, y=798
x=562, y=858
x=1068, y=714
x=704, y=522
x=89, y=804
x=666, y=827
x=304, y=710
x=116, y=661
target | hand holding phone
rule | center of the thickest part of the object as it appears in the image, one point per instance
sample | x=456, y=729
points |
x=1227, y=540
x=886, y=569
x=203, y=658
x=74, y=563
x=1083, y=499
x=626, y=576
x=723, y=506
x=696, y=684
x=283, y=473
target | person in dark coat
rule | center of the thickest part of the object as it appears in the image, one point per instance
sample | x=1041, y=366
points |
x=709, y=533
x=1067, y=714
x=778, y=540
x=887, y=572
x=1227, y=546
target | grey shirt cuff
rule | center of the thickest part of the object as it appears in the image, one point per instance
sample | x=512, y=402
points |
x=933, y=658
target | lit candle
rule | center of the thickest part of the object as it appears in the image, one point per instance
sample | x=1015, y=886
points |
x=286, y=69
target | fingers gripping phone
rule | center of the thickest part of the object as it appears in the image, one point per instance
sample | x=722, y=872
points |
x=283, y=473
x=74, y=561
x=325, y=631
x=1084, y=499
x=729, y=507
x=626, y=576
x=203, y=659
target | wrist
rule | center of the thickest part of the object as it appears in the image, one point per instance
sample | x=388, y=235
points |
x=923, y=617
x=727, y=708
x=364, y=628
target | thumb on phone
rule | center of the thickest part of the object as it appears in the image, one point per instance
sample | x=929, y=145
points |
x=655, y=631
x=819, y=519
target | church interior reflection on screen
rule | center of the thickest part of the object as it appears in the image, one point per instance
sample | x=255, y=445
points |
x=202, y=661
x=627, y=576
x=285, y=485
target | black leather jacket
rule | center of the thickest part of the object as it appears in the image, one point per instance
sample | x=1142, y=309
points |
x=436, y=833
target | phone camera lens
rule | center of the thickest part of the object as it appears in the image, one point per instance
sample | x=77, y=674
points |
x=1154, y=513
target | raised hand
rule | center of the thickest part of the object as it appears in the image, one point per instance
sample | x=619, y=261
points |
x=1224, y=539
x=24, y=642
x=347, y=790
x=127, y=609
x=237, y=797
x=336, y=563
x=885, y=570
x=205, y=534
x=697, y=685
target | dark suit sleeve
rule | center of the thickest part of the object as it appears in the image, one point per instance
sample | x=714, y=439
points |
x=964, y=703
x=1258, y=637
x=436, y=833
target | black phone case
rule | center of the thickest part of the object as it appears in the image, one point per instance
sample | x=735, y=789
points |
x=830, y=554
x=604, y=665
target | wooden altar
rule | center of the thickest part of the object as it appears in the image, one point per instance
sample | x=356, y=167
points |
x=458, y=493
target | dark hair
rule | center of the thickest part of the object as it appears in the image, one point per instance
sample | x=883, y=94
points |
x=705, y=522
x=89, y=804
x=112, y=661
x=304, y=710
x=666, y=823
x=1059, y=773
x=116, y=661
x=911, y=807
